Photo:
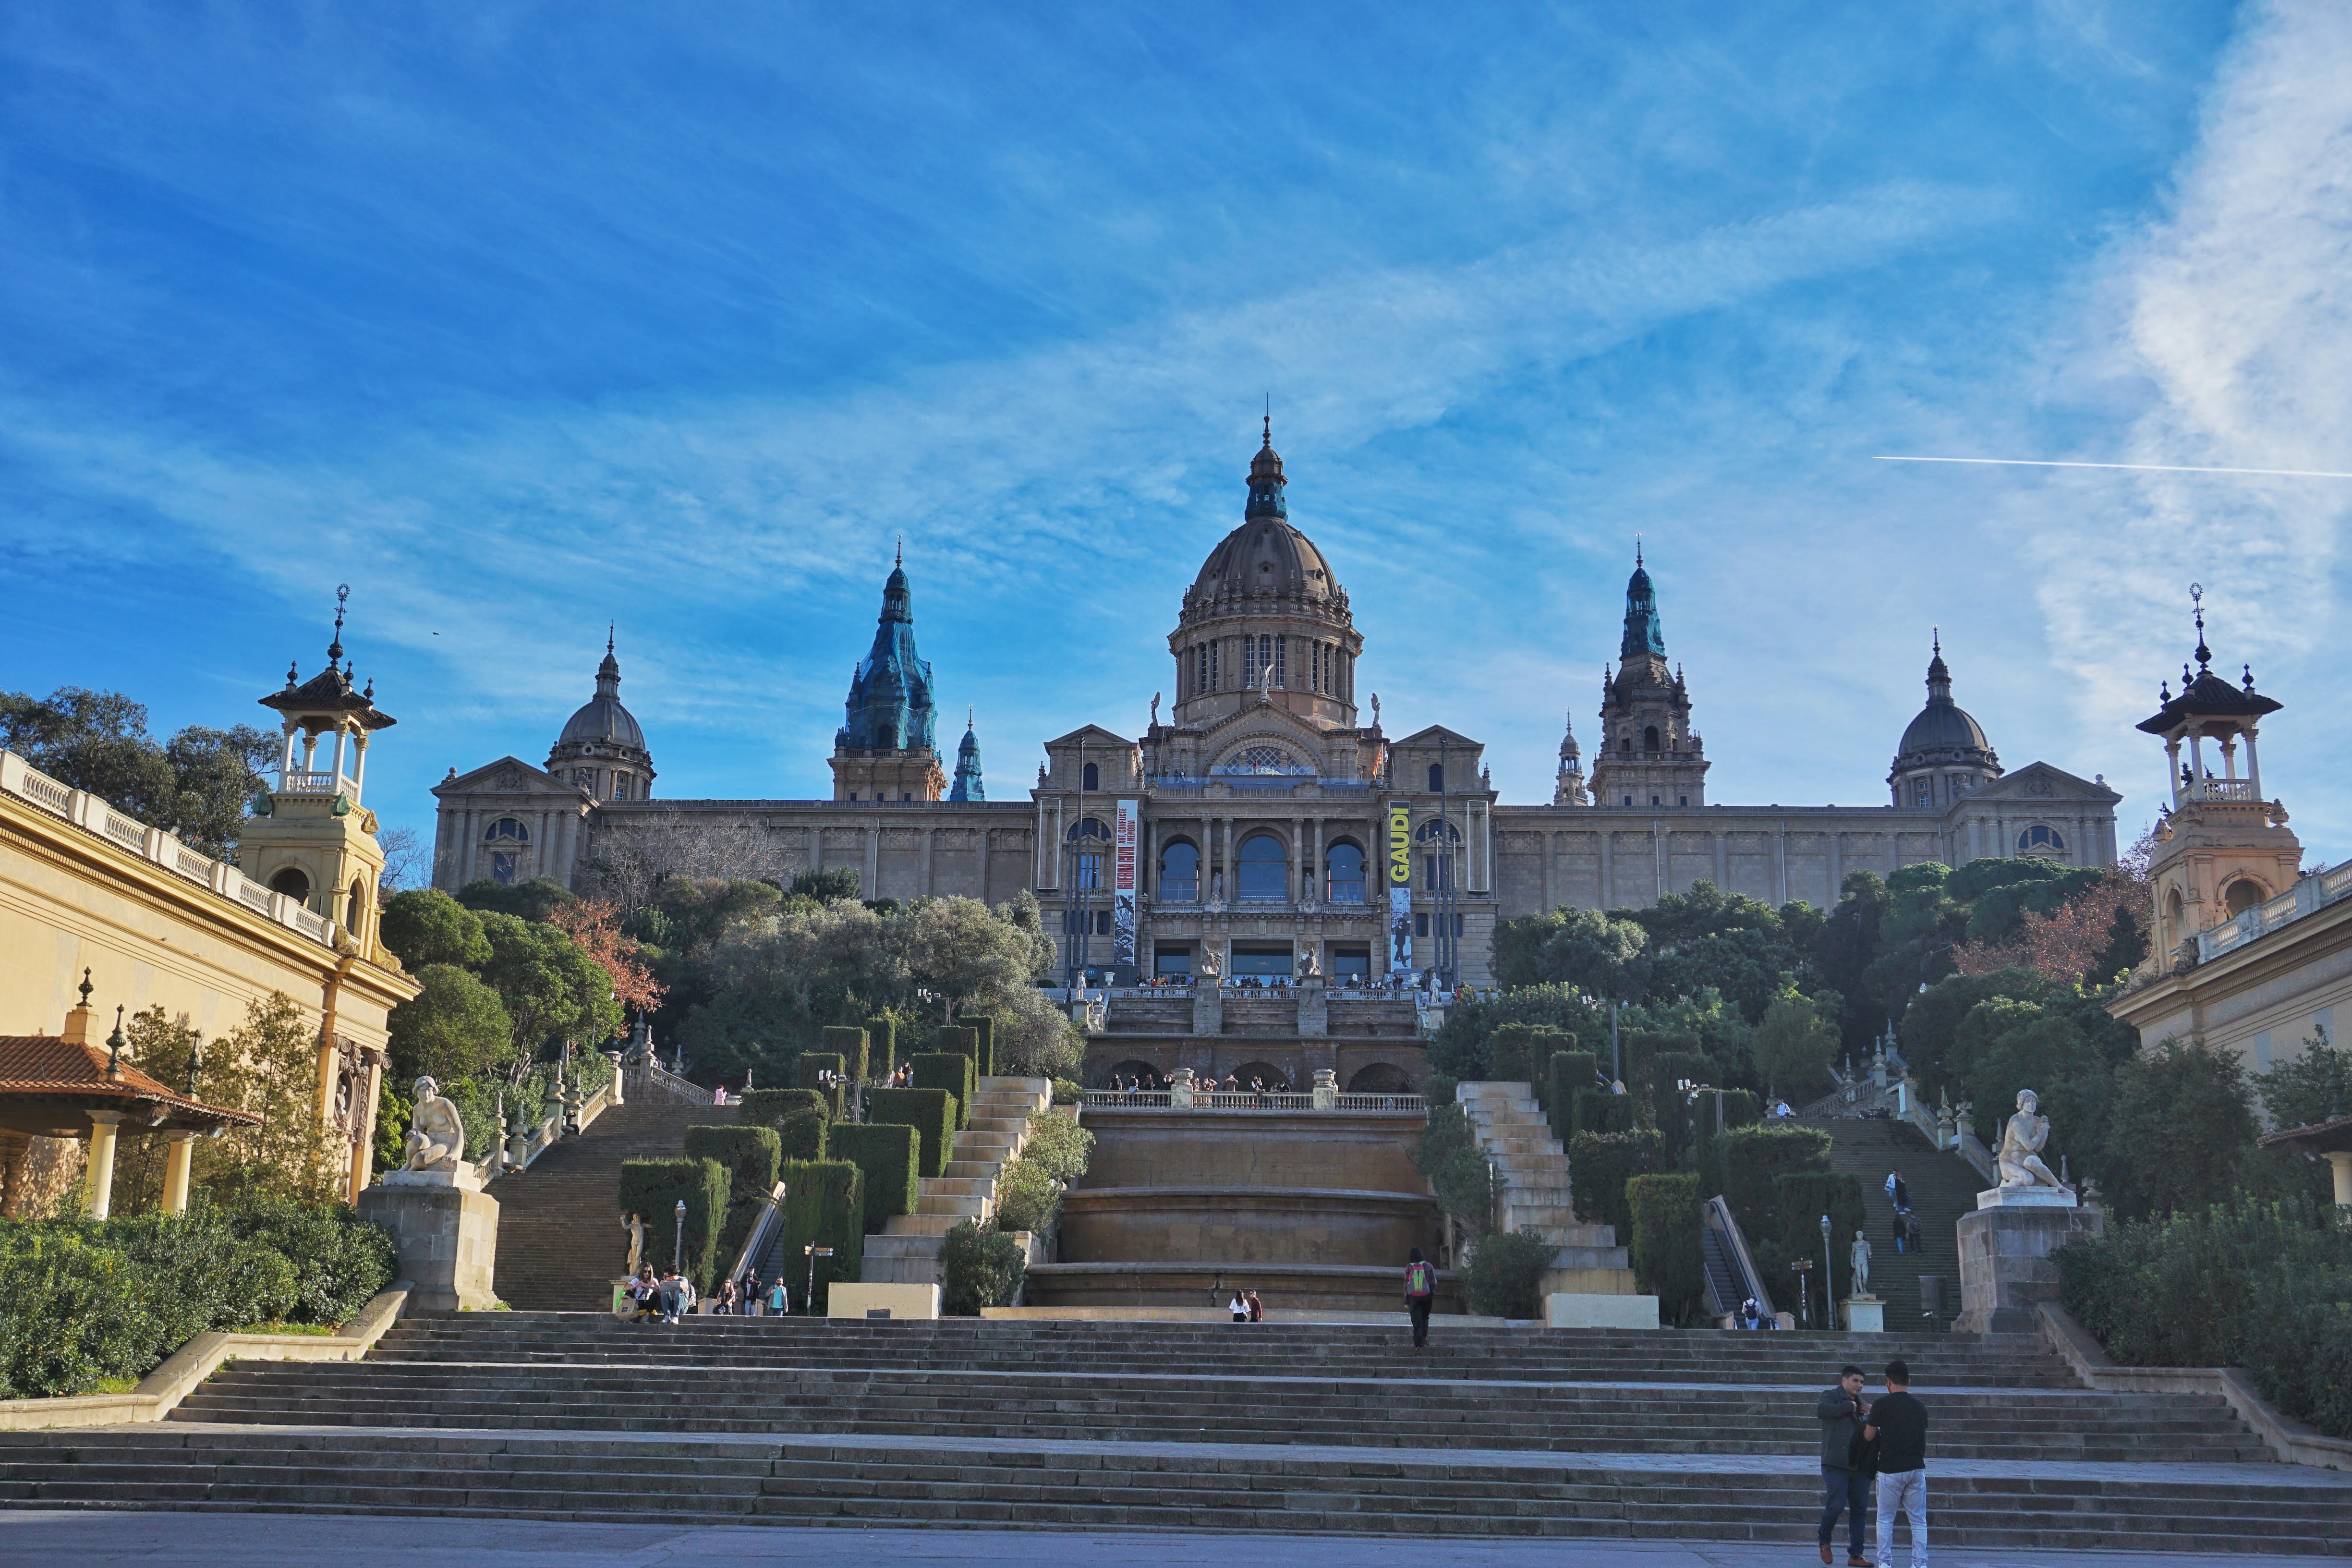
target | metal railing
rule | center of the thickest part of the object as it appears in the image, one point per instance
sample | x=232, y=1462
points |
x=1249, y=1100
x=159, y=849
x=1731, y=1257
x=2308, y=896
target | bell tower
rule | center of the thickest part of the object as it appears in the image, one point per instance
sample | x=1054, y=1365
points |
x=1650, y=756
x=2222, y=849
x=310, y=837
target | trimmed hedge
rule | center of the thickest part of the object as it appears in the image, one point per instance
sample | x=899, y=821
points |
x=2262, y=1285
x=1567, y=1074
x=890, y=1156
x=1739, y=1167
x=955, y=1040
x=87, y=1299
x=849, y=1045
x=978, y=1266
x=932, y=1112
x=882, y=1052
x=1791, y=1228
x=983, y=1060
x=1599, y=1166
x=951, y=1071
x=825, y=1206
x=1518, y=1053
x=1669, y=1259
x=805, y=1073
x=1669, y=1113
x=653, y=1189
x=751, y=1155
x=1598, y=1111
x=1506, y=1272
x=769, y=1107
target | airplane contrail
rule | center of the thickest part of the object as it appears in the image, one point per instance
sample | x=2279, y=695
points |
x=2141, y=467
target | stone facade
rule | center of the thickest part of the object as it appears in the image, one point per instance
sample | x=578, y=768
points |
x=1267, y=816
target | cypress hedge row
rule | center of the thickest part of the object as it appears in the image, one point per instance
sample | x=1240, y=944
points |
x=825, y=1206
x=1599, y=1165
x=653, y=1188
x=1569, y=1073
x=890, y=1156
x=1668, y=1260
x=948, y=1071
x=882, y=1054
x=807, y=1073
x=751, y=1155
x=932, y=1112
x=849, y=1045
x=1518, y=1053
x=984, y=1027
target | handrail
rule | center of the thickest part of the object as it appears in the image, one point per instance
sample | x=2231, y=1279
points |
x=762, y=1235
x=1715, y=1216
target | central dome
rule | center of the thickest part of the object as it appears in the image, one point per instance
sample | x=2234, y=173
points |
x=1265, y=554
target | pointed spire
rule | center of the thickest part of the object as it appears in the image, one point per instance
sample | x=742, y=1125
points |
x=335, y=648
x=1643, y=636
x=1266, y=480
x=608, y=672
x=1637, y=552
x=968, y=785
x=1940, y=674
x=2204, y=654
x=114, y=1044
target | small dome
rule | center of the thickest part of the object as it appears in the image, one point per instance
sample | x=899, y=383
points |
x=1266, y=552
x=1943, y=726
x=604, y=721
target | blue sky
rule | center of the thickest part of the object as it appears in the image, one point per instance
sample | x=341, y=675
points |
x=520, y=318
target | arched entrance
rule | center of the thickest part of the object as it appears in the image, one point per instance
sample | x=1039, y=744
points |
x=1381, y=1078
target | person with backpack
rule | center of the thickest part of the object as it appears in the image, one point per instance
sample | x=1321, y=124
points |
x=1420, y=1293
x=1848, y=1463
x=1898, y=1425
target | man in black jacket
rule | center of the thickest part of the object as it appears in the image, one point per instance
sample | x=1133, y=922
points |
x=1845, y=1473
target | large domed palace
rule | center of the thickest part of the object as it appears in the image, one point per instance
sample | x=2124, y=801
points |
x=1268, y=825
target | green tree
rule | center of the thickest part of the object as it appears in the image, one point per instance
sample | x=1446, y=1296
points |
x=455, y=1027
x=427, y=926
x=831, y=886
x=2312, y=1087
x=530, y=900
x=1601, y=955
x=1792, y=1046
x=2182, y=1129
x=267, y=1065
x=194, y=786
x=551, y=989
x=2005, y=1045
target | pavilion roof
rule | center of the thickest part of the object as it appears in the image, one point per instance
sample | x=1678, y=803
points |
x=47, y=1076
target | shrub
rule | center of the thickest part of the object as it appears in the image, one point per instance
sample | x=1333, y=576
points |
x=1599, y=1166
x=751, y=1155
x=980, y=1267
x=950, y=1071
x=1519, y=1052
x=889, y=1155
x=984, y=1028
x=1599, y=1110
x=654, y=1188
x=1668, y=1256
x=769, y=1107
x=1792, y=1227
x=1458, y=1174
x=1676, y=1118
x=882, y=1049
x=1029, y=1190
x=1506, y=1274
x=825, y=1206
x=339, y=1260
x=957, y=1040
x=1740, y=1165
x=1068, y=1092
x=930, y=1111
x=1567, y=1074
x=2262, y=1285
x=849, y=1045
x=805, y=1133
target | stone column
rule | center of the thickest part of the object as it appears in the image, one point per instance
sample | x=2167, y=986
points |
x=2342, y=1161
x=102, y=1124
x=1837, y=862
x=178, y=1157
x=1781, y=864
x=1718, y=858
x=1550, y=842
x=1607, y=872
x=929, y=890
x=370, y=1101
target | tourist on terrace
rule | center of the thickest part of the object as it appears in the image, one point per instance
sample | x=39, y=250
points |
x=730, y=1297
x=780, y=1299
x=1898, y=1423
x=1848, y=1465
x=750, y=1295
x=645, y=1293
x=1420, y=1293
x=672, y=1292
x=1256, y=1307
x=1239, y=1308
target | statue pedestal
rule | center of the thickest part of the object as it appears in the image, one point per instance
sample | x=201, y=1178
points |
x=2005, y=1247
x=1865, y=1315
x=1208, y=1009
x=444, y=1229
x=1314, y=1016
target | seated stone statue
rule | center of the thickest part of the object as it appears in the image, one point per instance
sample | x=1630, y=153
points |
x=437, y=1134
x=1307, y=968
x=2022, y=1142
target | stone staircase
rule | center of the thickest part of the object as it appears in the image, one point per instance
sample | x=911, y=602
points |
x=1511, y=1129
x=560, y=1244
x=1552, y=1433
x=906, y=1250
x=1943, y=1187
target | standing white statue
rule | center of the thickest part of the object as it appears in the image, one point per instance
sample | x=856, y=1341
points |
x=2022, y=1142
x=636, y=1226
x=1860, y=1257
x=437, y=1134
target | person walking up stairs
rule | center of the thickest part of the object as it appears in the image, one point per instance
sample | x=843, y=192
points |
x=906, y=1249
x=1510, y=1129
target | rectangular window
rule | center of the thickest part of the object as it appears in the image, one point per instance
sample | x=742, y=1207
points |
x=1458, y=925
x=1214, y=675
x=1420, y=925
x=1281, y=649
x=1090, y=872
x=1102, y=922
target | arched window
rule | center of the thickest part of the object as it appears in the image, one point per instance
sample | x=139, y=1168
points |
x=2172, y=906
x=1089, y=836
x=1179, y=873
x=293, y=882
x=1437, y=778
x=1648, y=737
x=2041, y=840
x=1343, y=867
x=2242, y=895
x=1091, y=779
x=1434, y=837
x=352, y=906
x=508, y=828
x=1263, y=870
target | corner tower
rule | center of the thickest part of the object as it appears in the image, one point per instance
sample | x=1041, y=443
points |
x=967, y=778
x=1649, y=756
x=1265, y=614
x=884, y=750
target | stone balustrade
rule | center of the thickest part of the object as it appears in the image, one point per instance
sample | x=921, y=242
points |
x=2308, y=896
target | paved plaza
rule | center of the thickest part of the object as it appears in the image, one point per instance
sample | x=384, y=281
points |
x=104, y=1540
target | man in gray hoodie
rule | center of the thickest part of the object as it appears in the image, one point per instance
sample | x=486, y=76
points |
x=1845, y=1479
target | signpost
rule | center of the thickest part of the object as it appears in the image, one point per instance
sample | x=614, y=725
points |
x=814, y=1252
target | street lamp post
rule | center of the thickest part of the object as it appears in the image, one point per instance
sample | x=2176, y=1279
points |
x=678, y=1242
x=1829, y=1292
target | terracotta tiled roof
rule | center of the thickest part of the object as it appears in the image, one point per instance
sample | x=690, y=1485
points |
x=51, y=1064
